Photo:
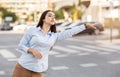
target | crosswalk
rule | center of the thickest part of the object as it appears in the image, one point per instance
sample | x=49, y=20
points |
x=64, y=51
x=2, y=72
x=7, y=54
x=82, y=48
x=69, y=49
x=100, y=49
x=85, y=50
x=10, y=56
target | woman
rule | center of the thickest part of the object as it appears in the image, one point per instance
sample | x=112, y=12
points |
x=36, y=43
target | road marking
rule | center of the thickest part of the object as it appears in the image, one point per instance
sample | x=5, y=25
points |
x=100, y=48
x=54, y=52
x=88, y=65
x=104, y=53
x=15, y=59
x=114, y=62
x=114, y=47
x=59, y=68
x=61, y=55
x=65, y=49
x=82, y=48
x=82, y=54
x=6, y=54
x=9, y=46
x=18, y=50
x=2, y=73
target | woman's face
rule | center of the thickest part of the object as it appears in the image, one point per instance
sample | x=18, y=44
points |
x=50, y=18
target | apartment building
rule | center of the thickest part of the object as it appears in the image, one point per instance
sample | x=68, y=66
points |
x=104, y=11
x=98, y=10
x=24, y=8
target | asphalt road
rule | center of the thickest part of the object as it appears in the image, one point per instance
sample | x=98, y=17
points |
x=80, y=56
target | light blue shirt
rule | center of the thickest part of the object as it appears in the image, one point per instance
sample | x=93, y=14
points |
x=37, y=39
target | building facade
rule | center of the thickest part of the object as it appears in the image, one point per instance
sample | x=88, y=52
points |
x=104, y=11
x=98, y=10
x=24, y=8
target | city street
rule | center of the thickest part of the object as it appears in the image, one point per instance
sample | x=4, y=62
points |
x=79, y=56
x=94, y=52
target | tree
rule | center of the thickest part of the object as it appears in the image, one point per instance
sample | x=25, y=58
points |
x=76, y=13
x=6, y=13
x=59, y=14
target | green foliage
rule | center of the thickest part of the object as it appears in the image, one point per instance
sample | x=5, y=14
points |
x=80, y=13
x=6, y=13
x=76, y=13
x=79, y=2
x=59, y=14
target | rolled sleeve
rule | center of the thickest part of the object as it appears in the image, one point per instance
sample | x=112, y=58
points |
x=24, y=42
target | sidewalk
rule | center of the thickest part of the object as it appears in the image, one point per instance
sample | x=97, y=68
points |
x=102, y=38
x=109, y=38
x=113, y=41
x=13, y=32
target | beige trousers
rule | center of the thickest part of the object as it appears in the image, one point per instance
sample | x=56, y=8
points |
x=19, y=71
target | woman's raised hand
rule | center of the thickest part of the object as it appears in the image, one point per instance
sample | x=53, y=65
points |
x=90, y=26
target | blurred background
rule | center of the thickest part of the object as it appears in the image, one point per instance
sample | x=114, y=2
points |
x=20, y=15
x=88, y=54
x=27, y=12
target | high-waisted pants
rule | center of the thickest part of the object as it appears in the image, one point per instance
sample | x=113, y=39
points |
x=19, y=71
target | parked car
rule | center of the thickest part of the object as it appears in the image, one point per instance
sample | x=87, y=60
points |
x=99, y=27
x=58, y=23
x=20, y=27
x=5, y=26
x=63, y=26
x=74, y=24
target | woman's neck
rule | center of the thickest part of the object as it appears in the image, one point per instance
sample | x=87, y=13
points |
x=46, y=28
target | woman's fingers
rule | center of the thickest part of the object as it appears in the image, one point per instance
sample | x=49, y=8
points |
x=36, y=53
x=92, y=26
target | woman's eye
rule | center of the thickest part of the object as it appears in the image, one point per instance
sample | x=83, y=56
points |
x=51, y=16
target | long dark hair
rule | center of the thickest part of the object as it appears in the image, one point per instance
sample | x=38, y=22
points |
x=40, y=23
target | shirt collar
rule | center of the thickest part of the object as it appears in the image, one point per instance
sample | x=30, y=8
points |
x=39, y=29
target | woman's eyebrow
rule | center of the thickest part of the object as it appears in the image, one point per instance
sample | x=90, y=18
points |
x=51, y=14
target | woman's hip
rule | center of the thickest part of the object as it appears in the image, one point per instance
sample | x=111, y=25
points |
x=20, y=71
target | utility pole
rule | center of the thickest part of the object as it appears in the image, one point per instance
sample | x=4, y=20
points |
x=100, y=11
x=111, y=27
x=119, y=15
